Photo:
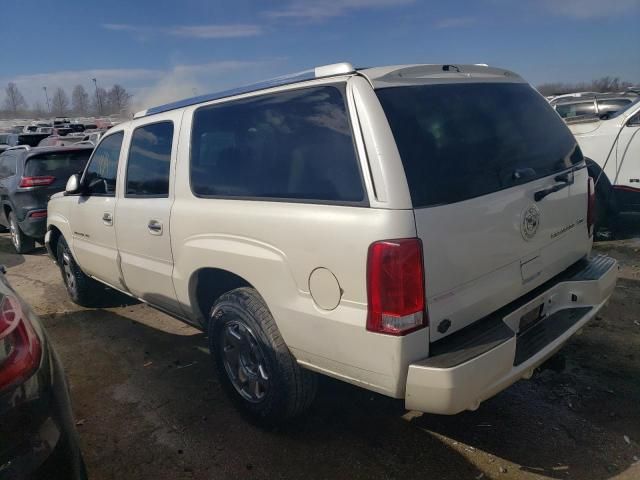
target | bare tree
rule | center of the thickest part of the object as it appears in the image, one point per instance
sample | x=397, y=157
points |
x=99, y=103
x=80, y=100
x=601, y=85
x=14, y=101
x=60, y=102
x=119, y=99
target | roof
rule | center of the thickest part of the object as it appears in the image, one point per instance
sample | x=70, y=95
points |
x=318, y=72
x=377, y=76
x=55, y=149
x=397, y=75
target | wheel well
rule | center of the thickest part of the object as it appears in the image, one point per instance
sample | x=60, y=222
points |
x=604, y=188
x=209, y=284
x=53, y=240
x=6, y=208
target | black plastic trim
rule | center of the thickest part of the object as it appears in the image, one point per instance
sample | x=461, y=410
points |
x=491, y=331
x=534, y=339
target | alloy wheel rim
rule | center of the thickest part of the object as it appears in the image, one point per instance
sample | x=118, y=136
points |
x=244, y=362
x=14, y=234
x=69, y=278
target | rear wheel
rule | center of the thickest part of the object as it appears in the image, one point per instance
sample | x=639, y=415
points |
x=82, y=289
x=254, y=364
x=21, y=242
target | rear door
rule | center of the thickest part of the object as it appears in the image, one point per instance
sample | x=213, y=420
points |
x=481, y=160
x=92, y=218
x=143, y=209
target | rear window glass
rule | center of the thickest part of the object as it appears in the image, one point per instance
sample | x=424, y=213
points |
x=59, y=165
x=460, y=141
x=293, y=145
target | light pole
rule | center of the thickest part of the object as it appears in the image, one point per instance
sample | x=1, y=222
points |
x=46, y=95
x=95, y=82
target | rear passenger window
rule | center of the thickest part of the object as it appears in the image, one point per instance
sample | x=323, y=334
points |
x=7, y=165
x=100, y=176
x=149, y=161
x=294, y=145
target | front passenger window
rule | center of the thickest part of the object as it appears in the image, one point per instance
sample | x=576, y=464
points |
x=100, y=176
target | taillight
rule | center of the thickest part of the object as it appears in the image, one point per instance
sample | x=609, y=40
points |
x=591, y=206
x=20, y=347
x=395, y=287
x=38, y=214
x=36, y=181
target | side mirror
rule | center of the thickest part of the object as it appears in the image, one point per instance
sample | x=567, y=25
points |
x=73, y=185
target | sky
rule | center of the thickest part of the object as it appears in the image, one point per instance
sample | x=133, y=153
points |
x=165, y=50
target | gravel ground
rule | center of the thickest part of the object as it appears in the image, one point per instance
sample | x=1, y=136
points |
x=148, y=405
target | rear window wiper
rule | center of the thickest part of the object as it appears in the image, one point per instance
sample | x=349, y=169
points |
x=565, y=180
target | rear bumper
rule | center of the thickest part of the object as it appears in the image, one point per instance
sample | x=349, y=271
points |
x=33, y=227
x=474, y=364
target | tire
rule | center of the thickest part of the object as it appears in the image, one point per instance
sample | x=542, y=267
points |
x=82, y=290
x=255, y=366
x=606, y=207
x=21, y=242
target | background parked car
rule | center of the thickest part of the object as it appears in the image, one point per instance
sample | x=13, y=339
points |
x=57, y=141
x=31, y=139
x=590, y=104
x=35, y=410
x=613, y=148
x=93, y=137
x=8, y=140
x=28, y=178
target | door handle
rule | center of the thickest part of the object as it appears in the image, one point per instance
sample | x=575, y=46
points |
x=155, y=227
x=107, y=218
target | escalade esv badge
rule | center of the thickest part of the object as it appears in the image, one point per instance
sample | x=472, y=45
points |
x=530, y=222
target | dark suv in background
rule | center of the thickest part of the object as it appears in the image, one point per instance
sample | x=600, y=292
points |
x=28, y=178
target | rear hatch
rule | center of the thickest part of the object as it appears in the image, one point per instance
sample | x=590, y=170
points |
x=47, y=173
x=476, y=155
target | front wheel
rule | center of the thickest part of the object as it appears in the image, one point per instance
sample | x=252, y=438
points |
x=254, y=364
x=21, y=242
x=82, y=289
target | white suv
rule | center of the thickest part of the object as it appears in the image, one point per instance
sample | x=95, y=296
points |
x=420, y=231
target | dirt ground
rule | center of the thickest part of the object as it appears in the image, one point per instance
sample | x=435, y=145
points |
x=148, y=404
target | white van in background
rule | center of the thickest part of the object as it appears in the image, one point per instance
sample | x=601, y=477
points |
x=613, y=144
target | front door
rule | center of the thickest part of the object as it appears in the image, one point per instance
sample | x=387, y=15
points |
x=143, y=212
x=93, y=217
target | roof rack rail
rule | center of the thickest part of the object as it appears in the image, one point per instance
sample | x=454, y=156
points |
x=19, y=147
x=323, y=71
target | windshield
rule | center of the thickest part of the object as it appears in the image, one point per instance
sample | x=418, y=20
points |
x=460, y=141
x=60, y=165
x=624, y=109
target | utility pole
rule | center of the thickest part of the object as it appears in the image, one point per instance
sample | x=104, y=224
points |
x=46, y=95
x=95, y=82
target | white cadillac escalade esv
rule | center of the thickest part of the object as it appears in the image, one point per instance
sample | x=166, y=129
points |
x=421, y=231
